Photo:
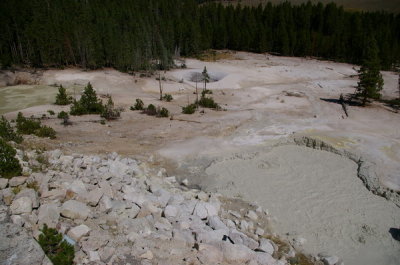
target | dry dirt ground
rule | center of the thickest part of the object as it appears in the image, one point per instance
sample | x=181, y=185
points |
x=237, y=151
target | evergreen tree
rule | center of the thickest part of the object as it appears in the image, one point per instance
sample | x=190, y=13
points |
x=9, y=165
x=61, y=97
x=206, y=78
x=371, y=81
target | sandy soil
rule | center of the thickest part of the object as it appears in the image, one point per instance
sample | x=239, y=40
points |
x=266, y=100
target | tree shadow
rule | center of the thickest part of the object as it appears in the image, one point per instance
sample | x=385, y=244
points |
x=395, y=232
x=350, y=102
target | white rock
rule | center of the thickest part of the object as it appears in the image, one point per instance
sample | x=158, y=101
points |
x=202, y=196
x=171, y=211
x=235, y=214
x=209, y=254
x=21, y=205
x=105, y=204
x=163, y=197
x=176, y=199
x=149, y=208
x=8, y=196
x=135, y=197
x=78, y=187
x=18, y=220
x=216, y=223
x=211, y=236
x=252, y=215
x=185, y=182
x=32, y=194
x=94, y=196
x=185, y=236
x=75, y=210
x=147, y=255
x=244, y=225
x=260, y=231
x=94, y=256
x=236, y=253
x=266, y=246
x=106, y=253
x=78, y=232
x=204, y=210
x=330, y=260
x=48, y=214
x=266, y=259
x=16, y=181
x=3, y=183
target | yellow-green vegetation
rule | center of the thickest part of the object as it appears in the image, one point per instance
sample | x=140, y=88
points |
x=213, y=55
x=33, y=185
x=17, y=190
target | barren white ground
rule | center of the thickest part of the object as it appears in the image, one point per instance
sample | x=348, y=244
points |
x=313, y=195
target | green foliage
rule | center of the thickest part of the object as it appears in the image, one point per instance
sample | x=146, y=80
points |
x=151, y=110
x=56, y=249
x=27, y=126
x=371, y=81
x=109, y=112
x=163, y=112
x=205, y=92
x=107, y=34
x=208, y=103
x=30, y=126
x=189, y=109
x=138, y=105
x=51, y=112
x=88, y=103
x=9, y=164
x=7, y=132
x=62, y=115
x=167, y=97
x=46, y=131
x=61, y=97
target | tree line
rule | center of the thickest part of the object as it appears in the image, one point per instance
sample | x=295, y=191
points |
x=132, y=35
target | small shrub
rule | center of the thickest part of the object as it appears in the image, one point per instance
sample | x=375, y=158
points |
x=208, y=103
x=151, y=110
x=62, y=98
x=162, y=112
x=26, y=126
x=7, y=132
x=30, y=126
x=167, y=97
x=33, y=185
x=189, y=109
x=51, y=112
x=62, y=115
x=205, y=92
x=56, y=249
x=65, y=117
x=102, y=122
x=9, y=164
x=139, y=105
x=16, y=190
x=46, y=131
x=109, y=112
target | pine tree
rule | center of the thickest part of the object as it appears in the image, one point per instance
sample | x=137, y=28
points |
x=62, y=98
x=206, y=78
x=371, y=81
x=9, y=165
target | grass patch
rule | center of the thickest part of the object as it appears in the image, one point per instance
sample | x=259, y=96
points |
x=213, y=55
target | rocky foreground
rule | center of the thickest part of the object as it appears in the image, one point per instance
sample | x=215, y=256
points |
x=116, y=210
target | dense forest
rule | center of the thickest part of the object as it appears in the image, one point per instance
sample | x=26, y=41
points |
x=141, y=34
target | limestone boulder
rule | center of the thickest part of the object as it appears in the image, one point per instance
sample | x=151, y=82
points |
x=21, y=206
x=75, y=210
